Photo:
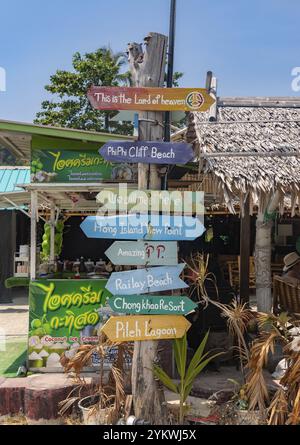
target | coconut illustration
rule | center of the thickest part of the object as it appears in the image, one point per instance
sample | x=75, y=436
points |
x=33, y=342
x=53, y=361
x=44, y=355
x=58, y=348
x=35, y=361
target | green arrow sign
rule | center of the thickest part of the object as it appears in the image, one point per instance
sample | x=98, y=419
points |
x=154, y=305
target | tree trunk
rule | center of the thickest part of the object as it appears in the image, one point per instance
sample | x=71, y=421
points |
x=148, y=69
x=263, y=250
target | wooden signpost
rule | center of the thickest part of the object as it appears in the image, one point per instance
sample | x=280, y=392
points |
x=143, y=281
x=150, y=99
x=146, y=227
x=123, y=199
x=147, y=152
x=143, y=253
x=152, y=304
x=132, y=328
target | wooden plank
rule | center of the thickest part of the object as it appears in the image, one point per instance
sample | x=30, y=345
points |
x=152, y=304
x=146, y=227
x=149, y=98
x=143, y=253
x=147, y=152
x=139, y=328
x=142, y=281
x=124, y=200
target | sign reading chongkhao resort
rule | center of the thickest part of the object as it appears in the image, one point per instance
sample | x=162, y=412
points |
x=62, y=161
x=63, y=314
x=152, y=99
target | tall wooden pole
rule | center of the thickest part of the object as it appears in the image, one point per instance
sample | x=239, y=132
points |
x=245, y=252
x=148, y=70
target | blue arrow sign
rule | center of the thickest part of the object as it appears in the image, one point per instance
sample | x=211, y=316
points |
x=147, y=152
x=143, y=281
x=146, y=227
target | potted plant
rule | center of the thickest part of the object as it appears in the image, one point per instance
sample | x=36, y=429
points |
x=187, y=374
x=106, y=401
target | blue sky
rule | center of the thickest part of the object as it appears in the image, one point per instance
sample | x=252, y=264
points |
x=251, y=46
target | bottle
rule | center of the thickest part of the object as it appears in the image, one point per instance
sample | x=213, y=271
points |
x=82, y=266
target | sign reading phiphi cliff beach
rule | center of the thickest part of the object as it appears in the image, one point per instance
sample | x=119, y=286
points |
x=147, y=152
x=152, y=99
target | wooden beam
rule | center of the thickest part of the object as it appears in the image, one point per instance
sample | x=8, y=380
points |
x=245, y=252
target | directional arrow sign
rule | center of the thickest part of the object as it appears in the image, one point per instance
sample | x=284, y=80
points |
x=153, y=305
x=147, y=227
x=144, y=281
x=157, y=327
x=146, y=152
x=141, y=253
x=152, y=99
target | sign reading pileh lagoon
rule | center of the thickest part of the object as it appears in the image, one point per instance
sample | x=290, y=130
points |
x=63, y=315
x=64, y=161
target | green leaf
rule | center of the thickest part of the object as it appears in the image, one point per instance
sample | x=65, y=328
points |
x=196, y=371
x=164, y=378
x=180, y=352
x=187, y=391
x=198, y=356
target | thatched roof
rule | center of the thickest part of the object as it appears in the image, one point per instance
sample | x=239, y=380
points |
x=250, y=129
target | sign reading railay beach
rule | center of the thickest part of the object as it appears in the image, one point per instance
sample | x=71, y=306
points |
x=63, y=314
x=152, y=99
x=146, y=227
x=146, y=152
x=142, y=281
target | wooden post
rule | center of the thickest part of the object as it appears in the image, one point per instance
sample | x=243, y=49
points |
x=148, y=69
x=263, y=247
x=33, y=221
x=245, y=252
x=52, y=233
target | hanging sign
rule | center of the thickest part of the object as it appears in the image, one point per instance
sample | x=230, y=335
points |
x=158, y=327
x=143, y=281
x=152, y=304
x=146, y=227
x=146, y=152
x=152, y=99
x=142, y=253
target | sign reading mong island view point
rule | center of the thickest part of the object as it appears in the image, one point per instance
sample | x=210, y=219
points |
x=146, y=227
x=152, y=99
x=147, y=152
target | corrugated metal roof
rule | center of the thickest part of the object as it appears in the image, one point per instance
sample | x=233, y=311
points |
x=10, y=177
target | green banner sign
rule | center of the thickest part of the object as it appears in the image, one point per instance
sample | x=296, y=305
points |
x=62, y=161
x=63, y=314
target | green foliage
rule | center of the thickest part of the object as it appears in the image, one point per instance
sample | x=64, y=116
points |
x=71, y=107
x=187, y=374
